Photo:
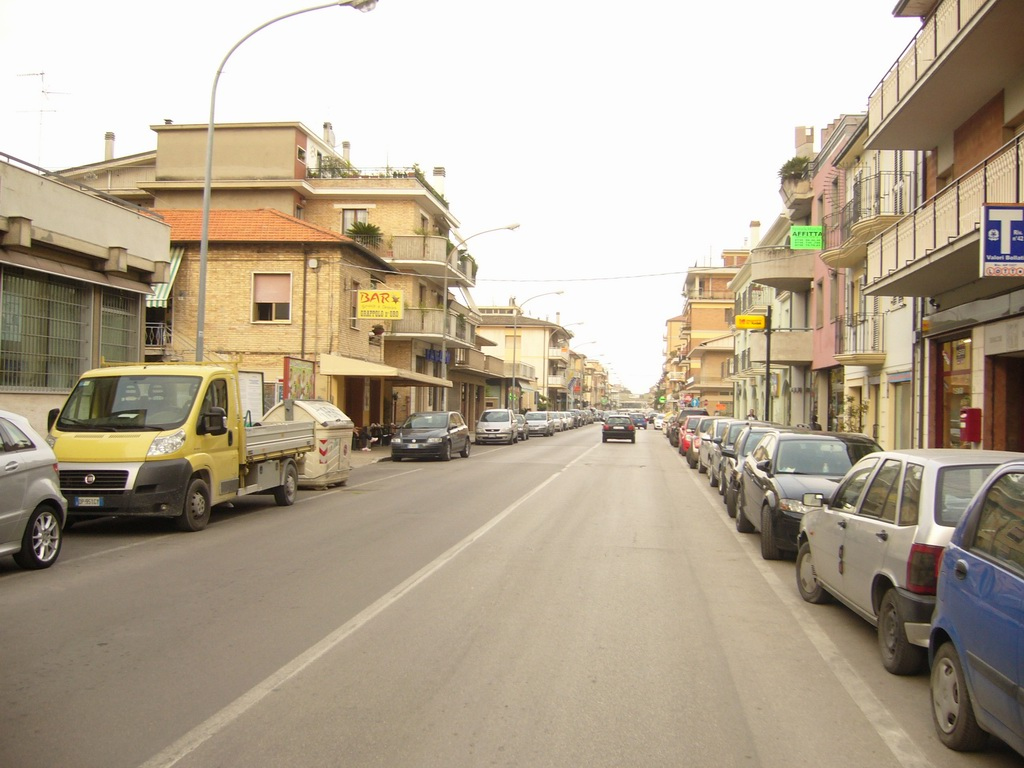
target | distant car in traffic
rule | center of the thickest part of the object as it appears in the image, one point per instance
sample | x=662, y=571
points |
x=618, y=427
x=431, y=434
x=977, y=672
x=542, y=423
x=32, y=509
x=875, y=542
x=497, y=425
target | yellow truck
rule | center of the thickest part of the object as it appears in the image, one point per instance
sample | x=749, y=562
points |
x=169, y=440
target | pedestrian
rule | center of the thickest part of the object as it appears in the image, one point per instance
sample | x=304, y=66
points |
x=364, y=438
x=814, y=423
x=751, y=416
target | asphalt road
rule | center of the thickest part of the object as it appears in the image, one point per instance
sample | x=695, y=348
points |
x=560, y=602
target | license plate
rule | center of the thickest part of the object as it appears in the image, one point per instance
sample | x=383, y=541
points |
x=88, y=501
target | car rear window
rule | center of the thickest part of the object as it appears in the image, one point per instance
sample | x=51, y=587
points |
x=954, y=489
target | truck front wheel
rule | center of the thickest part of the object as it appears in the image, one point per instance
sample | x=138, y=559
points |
x=284, y=494
x=196, y=512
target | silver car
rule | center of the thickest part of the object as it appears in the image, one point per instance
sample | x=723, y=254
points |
x=32, y=509
x=875, y=543
x=542, y=423
x=497, y=425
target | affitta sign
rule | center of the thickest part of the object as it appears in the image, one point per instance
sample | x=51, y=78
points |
x=1002, y=241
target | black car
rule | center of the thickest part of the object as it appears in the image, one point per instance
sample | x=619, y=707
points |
x=780, y=470
x=618, y=426
x=730, y=430
x=732, y=461
x=431, y=434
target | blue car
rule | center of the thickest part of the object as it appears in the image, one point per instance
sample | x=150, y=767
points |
x=975, y=645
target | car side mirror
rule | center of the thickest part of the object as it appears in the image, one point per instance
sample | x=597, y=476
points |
x=51, y=418
x=764, y=465
x=213, y=422
x=730, y=452
x=813, y=500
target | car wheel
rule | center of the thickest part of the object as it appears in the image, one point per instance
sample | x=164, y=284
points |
x=730, y=503
x=633, y=439
x=742, y=524
x=195, y=512
x=899, y=655
x=952, y=708
x=806, y=578
x=712, y=477
x=285, y=493
x=701, y=469
x=41, y=542
x=690, y=461
x=446, y=451
x=769, y=549
x=464, y=453
x=396, y=459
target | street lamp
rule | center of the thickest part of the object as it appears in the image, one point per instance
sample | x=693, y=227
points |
x=515, y=330
x=204, y=241
x=444, y=307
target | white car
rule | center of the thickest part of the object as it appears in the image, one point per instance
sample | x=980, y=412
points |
x=659, y=421
x=32, y=509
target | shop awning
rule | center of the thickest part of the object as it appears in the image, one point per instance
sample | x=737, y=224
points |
x=333, y=365
x=162, y=290
x=39, y=264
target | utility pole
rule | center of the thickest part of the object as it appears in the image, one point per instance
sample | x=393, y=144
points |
x=768, y=365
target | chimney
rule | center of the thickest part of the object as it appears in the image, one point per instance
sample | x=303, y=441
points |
x=755, y=234
x=108, y=145
x=804, y=141
x=329, y=135
x=438, y=180
x=346, y=149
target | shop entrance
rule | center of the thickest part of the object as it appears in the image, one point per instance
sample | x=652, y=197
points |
x=1003, y=417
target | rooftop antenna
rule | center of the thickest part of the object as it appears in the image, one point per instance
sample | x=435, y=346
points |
x=46, y=97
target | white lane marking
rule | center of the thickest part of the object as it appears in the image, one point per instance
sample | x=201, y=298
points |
x=903, y=748
x=226, y=716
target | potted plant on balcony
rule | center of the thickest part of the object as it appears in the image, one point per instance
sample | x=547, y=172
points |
x=365, y=233
x=794, y=169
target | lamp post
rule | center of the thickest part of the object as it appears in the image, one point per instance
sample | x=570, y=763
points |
x=515, y=333
x=204, y=241
x=444, y=307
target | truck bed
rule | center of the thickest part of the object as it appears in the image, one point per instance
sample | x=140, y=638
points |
x=281, y=438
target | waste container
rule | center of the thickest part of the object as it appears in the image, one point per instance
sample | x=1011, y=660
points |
x=330, y=461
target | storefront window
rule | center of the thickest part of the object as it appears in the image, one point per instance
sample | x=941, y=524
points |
x=956, y=387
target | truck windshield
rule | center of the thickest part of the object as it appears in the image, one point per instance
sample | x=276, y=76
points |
x=112, y=403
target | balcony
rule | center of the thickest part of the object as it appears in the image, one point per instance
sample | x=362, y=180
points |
x=522, y=370
x=935, y=249
x=429, y=255
x=556, y=382
x=559, y=355
x=925, y=95
x=797, y=195
x=879, y=201
x=476, y=361
x=859, y=340
x=426, y=324
x=788, y=348
x=782, y=268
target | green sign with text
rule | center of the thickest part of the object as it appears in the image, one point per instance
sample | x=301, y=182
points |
x=806, y=238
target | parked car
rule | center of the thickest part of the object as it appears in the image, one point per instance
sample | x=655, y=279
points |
x=746, y=440
x=671, y=429
x=431, y=434
x=975, y=643
x=522, y=429
x=497, y=425
x=722, y=443
x=687, y=429
x=618, y=427
x=875, y=542
x=542, y=423
x=706, y=454
x=702, y=430
x=658, y=422
x=32, y=508
x=639, y=420
x=782, y=468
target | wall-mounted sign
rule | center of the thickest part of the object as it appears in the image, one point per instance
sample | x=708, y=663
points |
x=1002, y=241
x=750, y=322
x=806, y=238
x=379, y=305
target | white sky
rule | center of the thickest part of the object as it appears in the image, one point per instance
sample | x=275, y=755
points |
x=631, y=139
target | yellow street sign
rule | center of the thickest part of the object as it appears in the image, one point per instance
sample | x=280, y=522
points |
x=755, y=322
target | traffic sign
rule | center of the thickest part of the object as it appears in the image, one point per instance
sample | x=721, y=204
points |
x=750, y=322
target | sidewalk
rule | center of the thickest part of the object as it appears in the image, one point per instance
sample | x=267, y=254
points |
x=377, y=452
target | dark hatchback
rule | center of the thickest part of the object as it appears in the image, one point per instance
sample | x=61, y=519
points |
x=618, y=427
x=433, y=434
x=780, y=470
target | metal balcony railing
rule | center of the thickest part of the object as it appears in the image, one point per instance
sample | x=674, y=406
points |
x=881, y=194
x=860, y=334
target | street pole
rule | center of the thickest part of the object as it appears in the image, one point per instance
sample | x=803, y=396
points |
x=768, y=365
x=204, y=237
x=444, y=307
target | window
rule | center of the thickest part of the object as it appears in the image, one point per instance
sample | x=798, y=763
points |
x=43, y=331
x=271, y=298
x=880, y=499
x=1000, y=528
x=846, y=499
x=119, y=327
x=354, y=309
x=911, y=501
x=352, y=216
x=819, y=304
